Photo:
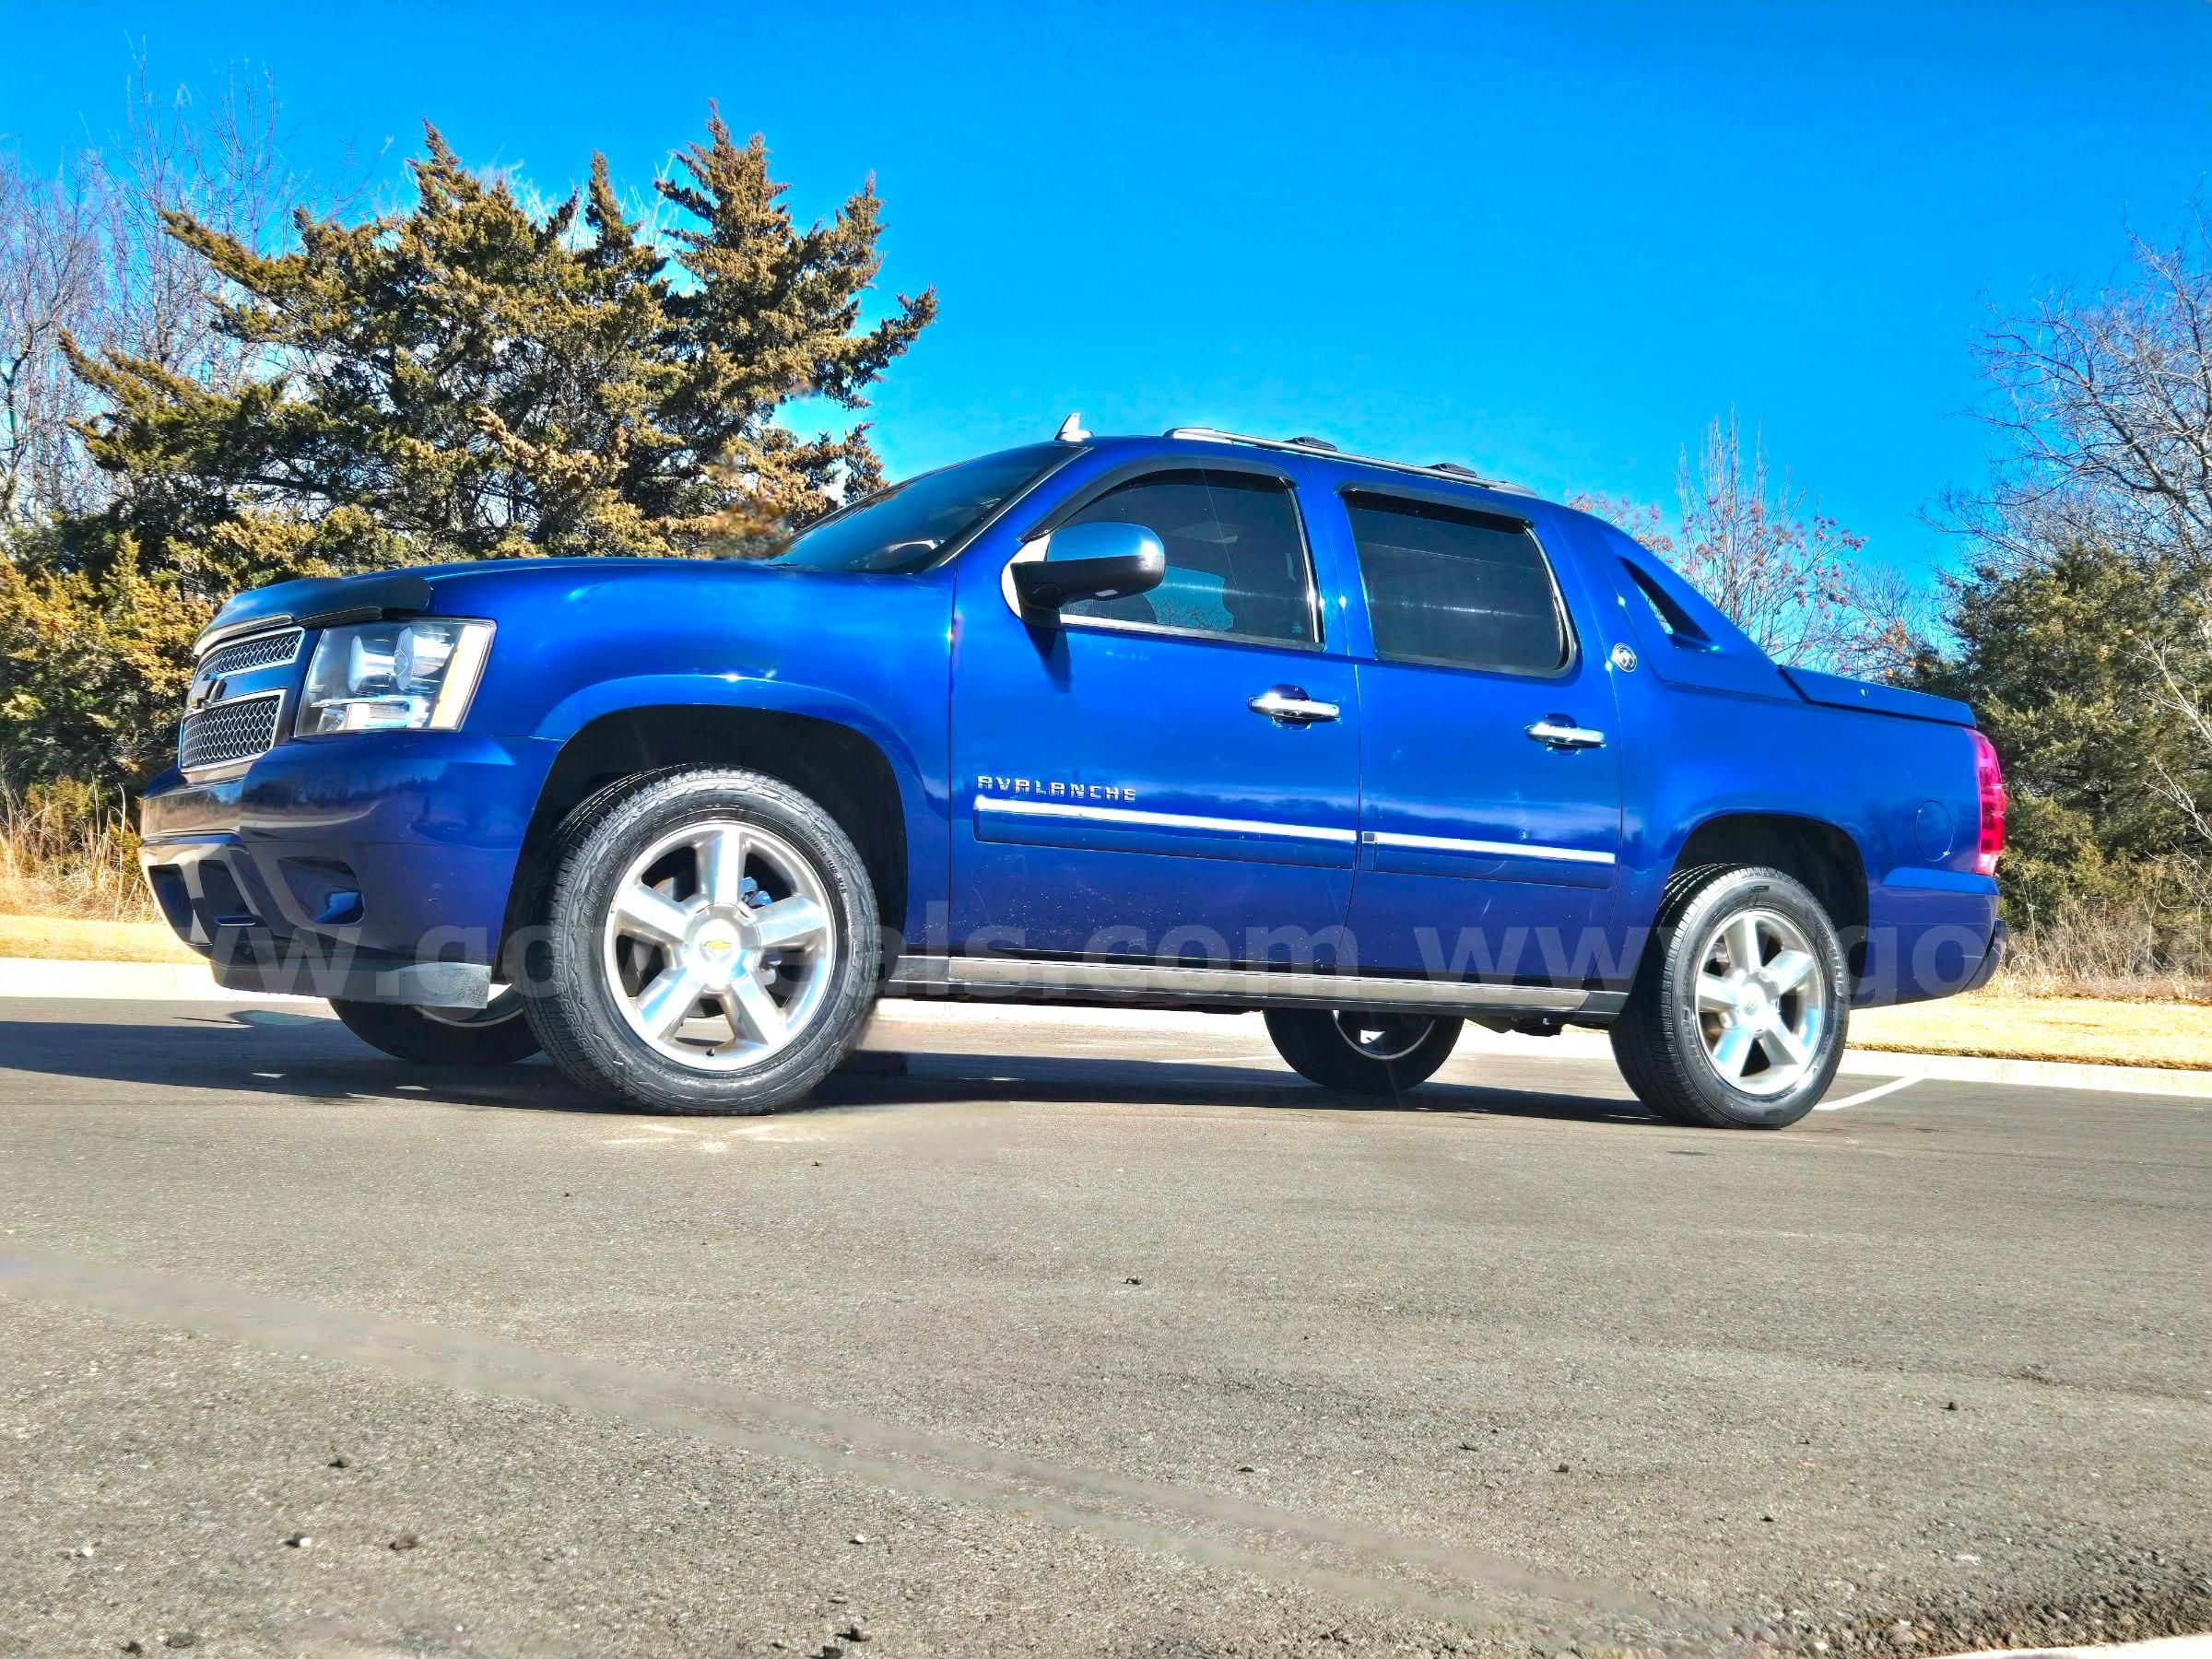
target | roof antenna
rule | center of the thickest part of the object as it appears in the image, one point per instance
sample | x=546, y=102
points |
x=1071, y=429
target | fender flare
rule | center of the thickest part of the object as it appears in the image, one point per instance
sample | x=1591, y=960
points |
x=766, y=695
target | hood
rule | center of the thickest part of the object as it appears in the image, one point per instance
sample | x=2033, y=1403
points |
x=330, y=601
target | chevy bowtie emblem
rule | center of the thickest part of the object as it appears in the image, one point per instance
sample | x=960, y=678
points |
x=203, y=693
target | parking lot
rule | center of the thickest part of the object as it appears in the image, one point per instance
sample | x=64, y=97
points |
x=1078, y=1335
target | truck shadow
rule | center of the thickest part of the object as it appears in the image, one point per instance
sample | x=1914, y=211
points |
x=953, y=1078
x=306, y=1057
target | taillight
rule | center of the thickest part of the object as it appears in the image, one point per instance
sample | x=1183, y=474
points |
x=1989, y=780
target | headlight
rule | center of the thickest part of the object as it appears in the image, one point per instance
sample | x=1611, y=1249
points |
x=394, y=676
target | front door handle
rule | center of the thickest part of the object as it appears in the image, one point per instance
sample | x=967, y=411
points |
x=1562, y=733
x=1289, y=705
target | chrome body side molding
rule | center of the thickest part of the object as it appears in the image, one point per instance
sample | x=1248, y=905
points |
x=1031, y=807
x=1453, y=843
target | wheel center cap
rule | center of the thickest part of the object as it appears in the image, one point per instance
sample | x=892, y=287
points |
x=1751, y=1001
x=718, y=949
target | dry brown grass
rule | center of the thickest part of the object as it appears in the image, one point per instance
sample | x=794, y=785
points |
x=2118, y=950
x=2006, y=1025
x=69, y=849
x=2180, y=989
x=76, y=939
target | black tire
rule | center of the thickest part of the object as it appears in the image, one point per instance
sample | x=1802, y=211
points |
x=1370, y=1054
x=1660, y=1038
x=573, y=1008
x=498, y=1036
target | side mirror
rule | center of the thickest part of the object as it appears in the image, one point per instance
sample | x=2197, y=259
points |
x=1101, y=560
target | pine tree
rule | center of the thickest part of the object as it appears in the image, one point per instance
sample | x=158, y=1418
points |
x=2055, y=654
x=469, y=379
x=472, y=380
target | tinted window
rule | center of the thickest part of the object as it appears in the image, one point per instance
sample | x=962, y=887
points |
x=904, y=527
x=1669, y=615
x=1451, y=586
x=1236, y=556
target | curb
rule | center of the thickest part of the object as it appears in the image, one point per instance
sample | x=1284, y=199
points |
x=2032, y=1074
x=2161, y=1647
x=189, y=982
x=121, y=982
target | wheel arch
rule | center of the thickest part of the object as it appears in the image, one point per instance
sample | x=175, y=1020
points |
x=849, y=770
x=1822, y=855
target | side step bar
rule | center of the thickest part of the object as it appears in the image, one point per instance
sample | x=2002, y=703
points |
x=1230, y=990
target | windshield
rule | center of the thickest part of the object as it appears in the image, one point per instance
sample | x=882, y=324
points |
x=904, y=527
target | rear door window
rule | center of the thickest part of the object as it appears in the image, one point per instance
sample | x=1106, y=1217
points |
x=1455, y=587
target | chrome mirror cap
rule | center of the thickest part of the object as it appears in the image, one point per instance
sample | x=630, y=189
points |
x=1102, y=560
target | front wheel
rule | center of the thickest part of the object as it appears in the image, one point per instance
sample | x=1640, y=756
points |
x=1363, y=1054
x=707, y=943
x=1737, y=1016
x=497, y=1035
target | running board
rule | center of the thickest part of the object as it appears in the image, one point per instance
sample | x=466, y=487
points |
x=1143, y=984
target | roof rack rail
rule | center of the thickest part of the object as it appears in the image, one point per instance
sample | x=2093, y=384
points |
x=1315, y=446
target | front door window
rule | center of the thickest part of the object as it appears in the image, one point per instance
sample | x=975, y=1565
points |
x=1237, y=564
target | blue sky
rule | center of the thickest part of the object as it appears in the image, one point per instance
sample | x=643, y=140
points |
x=1548, y=240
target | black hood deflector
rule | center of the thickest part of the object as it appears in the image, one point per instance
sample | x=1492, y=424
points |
x=323, y=602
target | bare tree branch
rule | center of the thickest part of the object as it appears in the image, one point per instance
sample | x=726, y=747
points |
x=2178, y=693
x=50, y=253
x=86, y=252
x=2107, y=403
x=1792, y=578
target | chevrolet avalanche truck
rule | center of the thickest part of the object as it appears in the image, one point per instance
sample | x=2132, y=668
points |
x=1197, y=722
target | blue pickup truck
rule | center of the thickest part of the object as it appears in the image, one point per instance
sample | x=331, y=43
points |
x=1197, y=721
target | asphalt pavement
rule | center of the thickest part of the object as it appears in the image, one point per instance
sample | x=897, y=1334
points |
x=1078, y=1336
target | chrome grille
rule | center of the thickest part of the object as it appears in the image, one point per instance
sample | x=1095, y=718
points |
x=229, y=732
x=262, y=650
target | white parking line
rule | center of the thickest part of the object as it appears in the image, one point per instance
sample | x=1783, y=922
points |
x=1864, y=1095
x=781, y=1131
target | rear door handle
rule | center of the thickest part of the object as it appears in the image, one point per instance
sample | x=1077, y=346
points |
x=1289, y=705
x=1562, y=733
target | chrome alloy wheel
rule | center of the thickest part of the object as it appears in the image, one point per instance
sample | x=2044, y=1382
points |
x=1385, y=1037
x=720, y=945
x=1762, y=1002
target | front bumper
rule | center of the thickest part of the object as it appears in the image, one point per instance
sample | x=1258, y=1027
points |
x=376, y=866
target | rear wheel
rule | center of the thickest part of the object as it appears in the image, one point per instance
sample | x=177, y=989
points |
x=496, y=1035
x=709, y=942
x=1738, y=1014
x=1363, y=1054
